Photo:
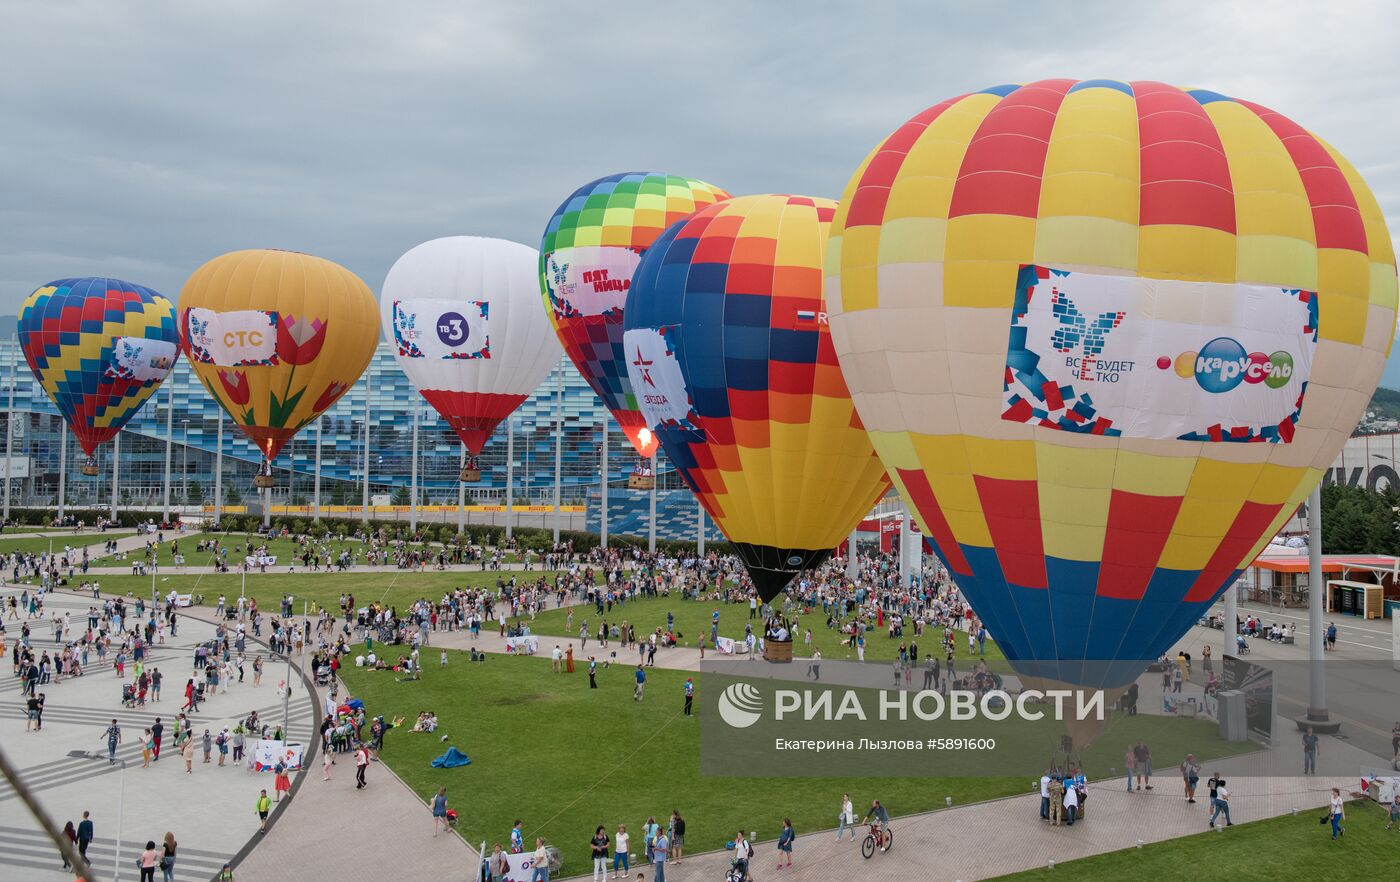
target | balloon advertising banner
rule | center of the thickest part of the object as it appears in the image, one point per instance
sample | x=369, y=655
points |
x=232, y=339
x=441, y=329
x=1142, y=358
x=140, y=359
x=265, y=753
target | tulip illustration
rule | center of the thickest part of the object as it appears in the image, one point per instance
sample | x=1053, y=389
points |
x=235, y=386
x=328, y=397
x=299, y=340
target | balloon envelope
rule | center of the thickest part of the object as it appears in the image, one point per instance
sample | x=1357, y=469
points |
x=464, y=318
x=1105, y=337
x=589, y=252
x=732, y=363
x=99, y=347
x=276, y=337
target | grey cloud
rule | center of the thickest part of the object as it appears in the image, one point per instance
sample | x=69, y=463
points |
x=144, y=138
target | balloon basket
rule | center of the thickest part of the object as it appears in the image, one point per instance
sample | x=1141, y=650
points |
x=641, y=482
x=262, y=482
x=470, y=476
x=775, y=651
x=90, y=470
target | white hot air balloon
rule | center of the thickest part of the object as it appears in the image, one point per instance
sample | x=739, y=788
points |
x=463, y=314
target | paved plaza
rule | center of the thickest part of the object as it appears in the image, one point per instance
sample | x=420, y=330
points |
x=210, y=811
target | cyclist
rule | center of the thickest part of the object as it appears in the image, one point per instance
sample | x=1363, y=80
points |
x=880, y=822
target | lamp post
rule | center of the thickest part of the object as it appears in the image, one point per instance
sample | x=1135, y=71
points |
x=116, y=468
x=510, y=476
x=603, y=487
x=1317, y=590
x=413, y=482
x=651, y=520
x=316, y=483
x=62, y=468
x=558, y=442
x=364, y=503
x=218, y=465
x=184, y=461
x=10, y=426
x=169, y=439
x=462, y=495
x=699, y=527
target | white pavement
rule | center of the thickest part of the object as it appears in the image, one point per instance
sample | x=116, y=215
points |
x=210, y=811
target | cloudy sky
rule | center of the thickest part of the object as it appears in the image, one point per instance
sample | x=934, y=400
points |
x=142, y=138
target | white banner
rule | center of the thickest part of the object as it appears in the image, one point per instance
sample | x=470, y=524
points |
x=261, y=560
x=528, y=645
x=726, y=645
x=265, y=753
x=142, y=360
x=590, y=279
x=443, y=329
x=656, y=377
x=522, y=866
x=14, y=466
x=232, y=339
x=1158, y=358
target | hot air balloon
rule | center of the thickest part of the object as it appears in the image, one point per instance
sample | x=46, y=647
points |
x=276, y=337
x=99, y=347
x=589, y=252
x=730, y=355
x=1105, y=337
x=464, y=318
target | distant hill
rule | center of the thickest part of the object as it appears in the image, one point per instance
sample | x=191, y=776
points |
x=1383, y=413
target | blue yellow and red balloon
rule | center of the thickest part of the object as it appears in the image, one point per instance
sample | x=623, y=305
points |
x=1106, y=336
x=732, y=363
x=99, y=347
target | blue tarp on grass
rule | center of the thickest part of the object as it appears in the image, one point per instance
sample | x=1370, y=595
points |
x=451, y=760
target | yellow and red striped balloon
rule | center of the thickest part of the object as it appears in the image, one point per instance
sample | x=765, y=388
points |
x=1105, y=336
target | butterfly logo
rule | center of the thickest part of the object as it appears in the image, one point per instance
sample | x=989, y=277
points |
x=1076, y=331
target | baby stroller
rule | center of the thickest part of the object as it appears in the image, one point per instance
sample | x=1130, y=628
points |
x=323, y=675
x=128, y=695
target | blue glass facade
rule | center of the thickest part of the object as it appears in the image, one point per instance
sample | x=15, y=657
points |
x=391, y=404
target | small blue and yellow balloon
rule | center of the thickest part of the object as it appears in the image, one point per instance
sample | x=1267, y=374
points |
x=99, y=347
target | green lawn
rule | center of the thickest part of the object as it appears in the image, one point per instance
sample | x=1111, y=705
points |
x=1287, y=847
x=57, y=539
x=400, y=587
x=692, y=619
x=547, y=749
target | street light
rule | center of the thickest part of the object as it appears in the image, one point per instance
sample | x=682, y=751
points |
x=184, y=461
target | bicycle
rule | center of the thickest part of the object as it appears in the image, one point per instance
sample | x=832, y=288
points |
x=878, y=836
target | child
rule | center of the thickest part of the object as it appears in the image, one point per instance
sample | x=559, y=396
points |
x=1394, y=811
x=442, y=659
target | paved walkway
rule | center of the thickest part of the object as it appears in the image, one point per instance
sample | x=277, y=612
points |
x=330, y=830
x=210, y=811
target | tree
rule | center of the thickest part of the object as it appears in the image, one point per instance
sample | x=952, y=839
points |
x=231, y=494
x=400, y=496
x=1359, y=521
x=194, y=495
x=338, y=493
